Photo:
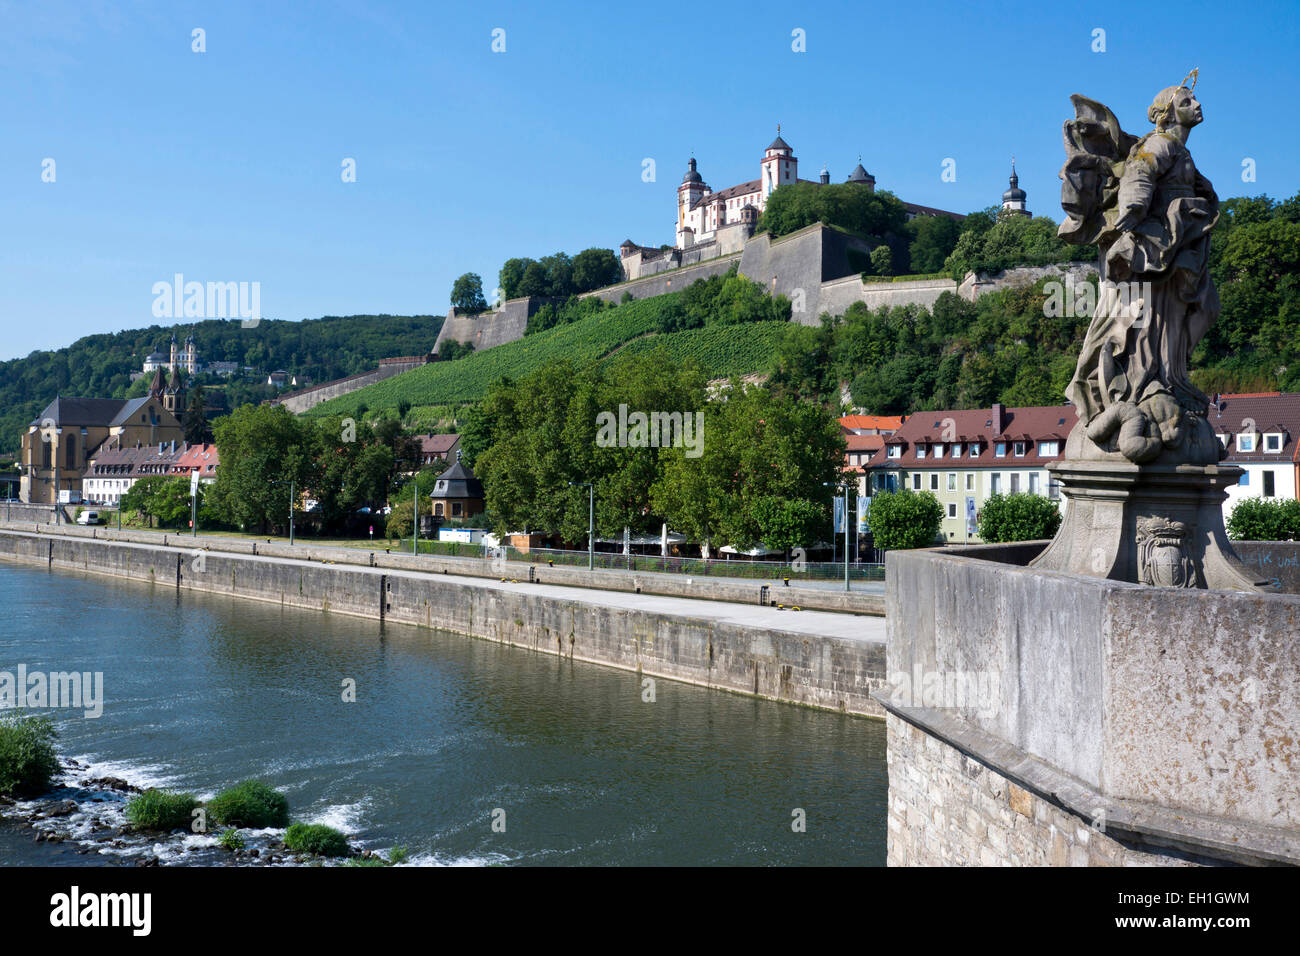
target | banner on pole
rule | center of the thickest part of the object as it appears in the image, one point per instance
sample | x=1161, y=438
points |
x=839, y=515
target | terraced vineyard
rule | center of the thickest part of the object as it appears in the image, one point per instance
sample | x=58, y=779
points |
x=720, y=350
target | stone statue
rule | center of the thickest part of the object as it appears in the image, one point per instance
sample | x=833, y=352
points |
x=1141, y=473
x=1150, y=212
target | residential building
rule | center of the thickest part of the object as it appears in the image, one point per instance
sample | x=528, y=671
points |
x=437, y=449
x=965, y=456
x=114, y=469
x=1261, y=431
x=864, y=438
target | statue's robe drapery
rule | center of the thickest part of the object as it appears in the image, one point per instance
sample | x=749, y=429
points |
x=1131, y=354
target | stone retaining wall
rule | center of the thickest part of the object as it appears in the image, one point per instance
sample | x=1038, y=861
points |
x=817, y=671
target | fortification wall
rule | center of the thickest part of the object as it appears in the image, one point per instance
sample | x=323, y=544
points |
x=489, y=329
x=669, y=281
x=298, y=402
x=791, y=666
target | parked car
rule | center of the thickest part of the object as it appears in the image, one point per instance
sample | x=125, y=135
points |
x=89, y=517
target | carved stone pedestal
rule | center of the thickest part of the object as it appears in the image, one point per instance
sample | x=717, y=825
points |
x=1147, y=524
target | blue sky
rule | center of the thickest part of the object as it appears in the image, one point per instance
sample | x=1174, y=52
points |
x=225, y=165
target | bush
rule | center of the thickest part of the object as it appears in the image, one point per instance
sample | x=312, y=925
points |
x=1018, y=517
x=27, y=757
x=161, y=810
x=316, y=838
x=231, y=840
x=905, y=519
x=1265, y=519
x=250, y=804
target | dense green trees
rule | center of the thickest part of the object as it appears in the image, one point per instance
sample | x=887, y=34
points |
x=560, y=275
x=467, y=294
x=1018, y=517
x=342, y=464
x=848, y=206
x=194, y=421
x=905, y=519
x=990, y=243
x=161, y=498
x=531, y=438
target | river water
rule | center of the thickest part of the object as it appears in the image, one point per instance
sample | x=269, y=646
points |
x=446, y=735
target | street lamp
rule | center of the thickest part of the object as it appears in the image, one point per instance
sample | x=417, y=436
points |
x=844, y=488
x=290, y=483
x=591, y=521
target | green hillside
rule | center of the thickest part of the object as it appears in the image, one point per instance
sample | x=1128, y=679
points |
x=719, y=349
x=100, y=366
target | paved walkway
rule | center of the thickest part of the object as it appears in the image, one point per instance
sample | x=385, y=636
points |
x=850, y=627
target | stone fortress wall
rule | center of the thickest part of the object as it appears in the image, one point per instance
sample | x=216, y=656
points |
x=303, y=399
x=810, y=267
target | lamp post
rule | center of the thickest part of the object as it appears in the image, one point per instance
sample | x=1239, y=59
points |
x=415, y=512
x=290, y=483
x=845, y=489
x=591, y=521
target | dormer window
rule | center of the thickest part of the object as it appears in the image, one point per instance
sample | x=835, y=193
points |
x=974, y=449
x=1273, y=442
x=1019, y=449
x=895, y=451
x=1000, y=449
x=938, y=450
x=1246, y=441
x=920, y=451
x=1049, y=449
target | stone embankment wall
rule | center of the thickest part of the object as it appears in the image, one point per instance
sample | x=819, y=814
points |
x=701, y=588
x=823, y=672
x=1167, y=713
x=300, y=401
x=486, y=330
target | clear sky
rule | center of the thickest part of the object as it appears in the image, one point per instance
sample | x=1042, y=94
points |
x=226, y=165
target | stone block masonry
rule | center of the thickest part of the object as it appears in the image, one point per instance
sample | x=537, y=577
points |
x=737, y=648
x=946, y=808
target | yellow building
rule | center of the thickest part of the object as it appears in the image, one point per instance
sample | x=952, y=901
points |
x=59, y=443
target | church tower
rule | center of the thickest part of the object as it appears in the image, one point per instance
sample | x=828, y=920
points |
x=1014, y=199
x=779, y=167
x=691, y=191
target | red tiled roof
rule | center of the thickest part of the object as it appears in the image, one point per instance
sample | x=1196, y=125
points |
x=437, y=444
x=887, y=423
x=1267, y=412
x=856, y=443
x=1031, y=425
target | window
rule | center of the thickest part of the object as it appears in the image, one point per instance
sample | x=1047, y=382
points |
x=952, y=509
x=1273, y=442
x=1000, y=449
x=938, y=450
x=956, y=450
x=1053, y=489
x=895, y=451
x=437, y=508
x=970, y=481
x=1246, y=441
x=1019, y=449
x=455, y=508
x=1268, y=484
x=952, y=481
x=1049, y=449
x=974, y=449
x=995, y=484
x=1015, y=482
x=1033, y=482
x=934, y=482
x=920, y=451
x=916, y=481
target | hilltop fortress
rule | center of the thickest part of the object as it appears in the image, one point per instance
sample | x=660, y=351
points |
x=818, y=267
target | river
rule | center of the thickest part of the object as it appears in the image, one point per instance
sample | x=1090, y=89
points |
x=446, y=735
